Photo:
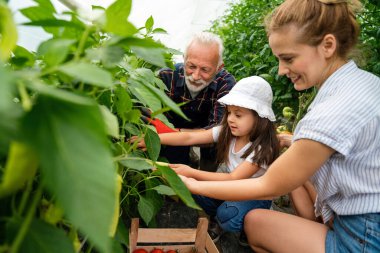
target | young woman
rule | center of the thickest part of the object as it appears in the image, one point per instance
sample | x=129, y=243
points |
x=246, y=145
x=336, y=145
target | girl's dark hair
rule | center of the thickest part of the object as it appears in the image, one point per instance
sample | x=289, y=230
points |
x=263, y=137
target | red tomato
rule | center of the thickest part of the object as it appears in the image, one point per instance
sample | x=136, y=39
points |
x=157, y=251
x=140, y=251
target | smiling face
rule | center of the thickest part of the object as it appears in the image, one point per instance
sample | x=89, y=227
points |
x=240, y=120
x=304, y=65
x=201, y=65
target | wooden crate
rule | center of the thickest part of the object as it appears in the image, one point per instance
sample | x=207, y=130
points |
x=185, y=240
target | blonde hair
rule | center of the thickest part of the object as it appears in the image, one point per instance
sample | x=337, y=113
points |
x=316, y=18
x=207, y=38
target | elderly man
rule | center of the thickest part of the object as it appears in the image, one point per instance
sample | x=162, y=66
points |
x=200, y=81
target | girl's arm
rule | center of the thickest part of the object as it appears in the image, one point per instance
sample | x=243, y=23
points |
x=179, y=138
x=244, y=170
x=293, y=168
x=187, y=138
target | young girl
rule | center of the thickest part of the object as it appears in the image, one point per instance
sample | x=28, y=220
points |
x=336, y=144
x=246, y=145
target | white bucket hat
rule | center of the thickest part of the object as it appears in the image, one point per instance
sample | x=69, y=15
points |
x=252, y=93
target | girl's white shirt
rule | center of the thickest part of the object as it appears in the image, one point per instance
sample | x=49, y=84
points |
x=235, y=157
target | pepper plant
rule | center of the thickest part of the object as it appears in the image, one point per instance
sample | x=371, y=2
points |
x=69, y=178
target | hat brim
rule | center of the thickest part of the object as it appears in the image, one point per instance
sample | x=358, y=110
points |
x=237, y=100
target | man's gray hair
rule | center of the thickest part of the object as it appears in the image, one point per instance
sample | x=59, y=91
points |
x=207, y=38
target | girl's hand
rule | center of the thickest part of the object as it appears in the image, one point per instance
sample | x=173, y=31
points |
x=140, y=142
x=189, y=182
x=181, y=169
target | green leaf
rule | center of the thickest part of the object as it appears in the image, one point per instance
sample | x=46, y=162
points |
x=122, y=101
x=159, y=30
x=178, y=186
x=166, y=100
x=110, y=121
x=117, y=18
x=116, y=247
x=122, y=234
x=134, y=162
x=108, y=56
x=54, y=23
x=153, y=144
x=75, y=31
x=7, y=89
x=147, y=49
x=154, y=56
x=76, y=163
x=37, y=13
x=144, y=95
x=146, y=209
x=87, y=73
x=45, y=238
x=132, y=129
x=59, y=94
x=149, y=23
x=164, y=190
x=10, y=111
x=22, y=57
x=145, y=75
x=138, y=42
x=8, y=32
x=155, y=199
x=46, y=4
x=54, y=51
x=133, y=116
x=143, y=81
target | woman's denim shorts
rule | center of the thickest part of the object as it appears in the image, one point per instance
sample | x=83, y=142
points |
x=354, y=233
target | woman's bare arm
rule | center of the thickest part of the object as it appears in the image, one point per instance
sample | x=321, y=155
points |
x=293, y=168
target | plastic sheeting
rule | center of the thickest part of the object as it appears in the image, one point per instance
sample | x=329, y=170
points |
x=180, y=18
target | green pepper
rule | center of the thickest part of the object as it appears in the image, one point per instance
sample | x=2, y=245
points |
x=21, y=166
x=115, y=218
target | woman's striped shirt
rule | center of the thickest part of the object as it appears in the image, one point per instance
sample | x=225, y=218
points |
x=345, y=115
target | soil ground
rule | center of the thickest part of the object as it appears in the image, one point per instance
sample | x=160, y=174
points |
x=177, y=215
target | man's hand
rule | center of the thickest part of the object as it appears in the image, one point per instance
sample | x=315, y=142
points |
x=158, y=124
x=140, y=142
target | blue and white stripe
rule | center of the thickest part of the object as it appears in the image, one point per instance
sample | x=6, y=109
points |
x=345, y=115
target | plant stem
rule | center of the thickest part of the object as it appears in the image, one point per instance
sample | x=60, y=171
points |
x=27, y=221
x=25, y=197
x=25, y=100
x=89, y=249
x=48, y=71
x=303, y=106
x=82, y=43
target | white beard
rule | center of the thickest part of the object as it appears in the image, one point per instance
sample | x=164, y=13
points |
x=195, y=88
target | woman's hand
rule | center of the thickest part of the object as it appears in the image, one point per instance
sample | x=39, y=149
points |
x=140, y=142
x=285, y=140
